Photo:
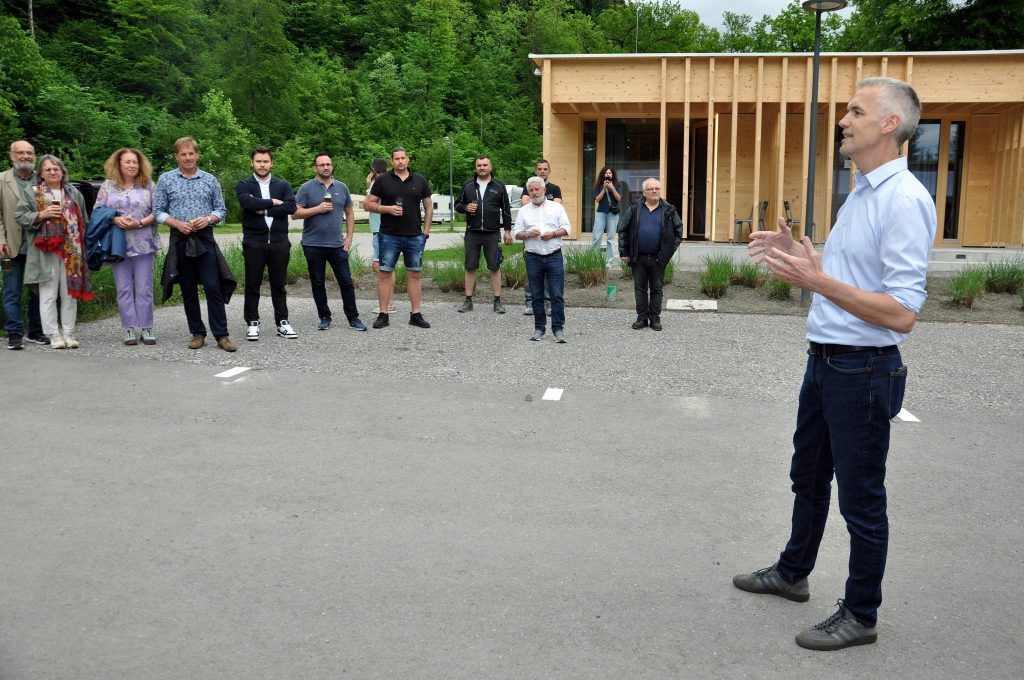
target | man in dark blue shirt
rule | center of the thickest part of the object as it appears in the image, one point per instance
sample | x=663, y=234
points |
x=650, y=233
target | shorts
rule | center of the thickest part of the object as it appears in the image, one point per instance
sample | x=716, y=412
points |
x=490, y=241
x=410, y=247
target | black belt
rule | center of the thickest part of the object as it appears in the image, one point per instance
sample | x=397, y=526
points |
x=557, y=252
x=816, y=349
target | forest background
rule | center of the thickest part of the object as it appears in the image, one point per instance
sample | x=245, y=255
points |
x=80, y=78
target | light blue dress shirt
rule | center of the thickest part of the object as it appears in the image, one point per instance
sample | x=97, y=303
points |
x=186, y=198
x=880, y=243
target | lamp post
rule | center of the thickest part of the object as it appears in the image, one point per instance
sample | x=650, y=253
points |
x=818, y=7
x=451, y=183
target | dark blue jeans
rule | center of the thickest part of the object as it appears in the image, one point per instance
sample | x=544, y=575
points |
x=842, y=427
x=193, y=271
x=547, y=271
x=317, y=259
x=13, y=281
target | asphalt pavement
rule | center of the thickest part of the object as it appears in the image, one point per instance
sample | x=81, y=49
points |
x=405, y=503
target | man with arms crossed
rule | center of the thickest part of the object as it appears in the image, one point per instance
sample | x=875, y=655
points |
x=397, y=196
x=541, y=226
x=484, y=201
x=322, y=204
x=14, y=244
x=552, y=192
x=266, y=202
x=868, y=288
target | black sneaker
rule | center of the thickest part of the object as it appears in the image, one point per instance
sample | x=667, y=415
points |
x=14, y=342
x=769, y=581
x=640, y=323
x=38, y=338
x=418, y=320
x=839, y=631
x=655, y=324
x=382, y=321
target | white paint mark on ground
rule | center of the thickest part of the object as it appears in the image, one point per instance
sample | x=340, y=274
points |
x=232, y=372
x=552, y=394
x=907, y=417
x=697, y=305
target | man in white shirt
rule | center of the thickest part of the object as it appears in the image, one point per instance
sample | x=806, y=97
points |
x=541, y=225
x=868, y=289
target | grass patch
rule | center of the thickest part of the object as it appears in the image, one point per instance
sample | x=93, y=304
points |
x=778, y=289
x=750, y=275
x=447, y=276
x=966, y=287
x=717, y=275
x=587, y=263
x=670, y=272
x=401, y=279
x=513, y=271
x=1005, y=276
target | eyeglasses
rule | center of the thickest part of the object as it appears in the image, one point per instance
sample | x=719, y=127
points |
x=51, y=170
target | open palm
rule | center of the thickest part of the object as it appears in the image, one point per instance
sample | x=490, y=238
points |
x=761, y=242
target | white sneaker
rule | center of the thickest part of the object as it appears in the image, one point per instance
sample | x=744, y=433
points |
x=57, y=341
x=285, y=330
x=253, y=331
x=71, y=342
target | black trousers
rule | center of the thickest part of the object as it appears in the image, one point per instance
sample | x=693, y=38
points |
x=648, y=280
x=317, y=259
x=274, y=258
x=193, y=271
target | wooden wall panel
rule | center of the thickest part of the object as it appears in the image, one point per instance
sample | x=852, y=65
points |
x=565, y=154
x=979, y=159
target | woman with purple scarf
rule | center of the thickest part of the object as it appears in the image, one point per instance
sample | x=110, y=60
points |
x=129, y=191
x=55, y=212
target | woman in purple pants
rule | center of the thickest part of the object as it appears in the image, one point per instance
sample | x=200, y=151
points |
x=129, y=191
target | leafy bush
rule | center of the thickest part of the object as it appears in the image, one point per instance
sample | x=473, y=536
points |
x=513, y=271
x=448, y=276
x=750, y=275
x=778, y=289
x=1005, y=276
x=967, y=286
x=717, y=276
x=588, y=264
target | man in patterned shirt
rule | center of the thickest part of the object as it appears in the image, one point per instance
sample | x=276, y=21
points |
x=189, y=201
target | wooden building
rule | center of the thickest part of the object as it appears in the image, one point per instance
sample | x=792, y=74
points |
x=728, y=132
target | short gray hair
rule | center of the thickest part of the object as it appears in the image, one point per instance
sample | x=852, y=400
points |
x=56, y=161
x=535, y=180
x=649, y=179
x=898, y=98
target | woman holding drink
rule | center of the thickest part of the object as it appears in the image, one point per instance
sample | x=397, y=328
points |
x=54, y=211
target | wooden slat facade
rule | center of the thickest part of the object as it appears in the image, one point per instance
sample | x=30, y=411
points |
x=754, y=109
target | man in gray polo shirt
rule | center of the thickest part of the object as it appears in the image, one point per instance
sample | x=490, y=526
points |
x=323, y=202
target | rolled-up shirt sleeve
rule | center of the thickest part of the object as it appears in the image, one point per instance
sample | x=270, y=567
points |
x=907, y=237
x=220, y=210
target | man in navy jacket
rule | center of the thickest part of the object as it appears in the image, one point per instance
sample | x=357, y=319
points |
x=266, y=202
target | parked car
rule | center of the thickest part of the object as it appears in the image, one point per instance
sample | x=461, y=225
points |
x=89, y=188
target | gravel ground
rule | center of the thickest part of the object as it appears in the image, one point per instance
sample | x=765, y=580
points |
x=731, y=356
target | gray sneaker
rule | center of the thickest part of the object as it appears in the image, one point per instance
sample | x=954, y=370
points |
x=839, y=631
x=498, y=307
x=769, y=581
x=147, y=336
x=528, y=310
x=537, y=335
x=560, y=337
x=467, y=305
x=130, y=338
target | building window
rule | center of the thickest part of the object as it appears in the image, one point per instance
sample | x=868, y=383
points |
x=589, y=171
x=633, y=147
x=954, y=174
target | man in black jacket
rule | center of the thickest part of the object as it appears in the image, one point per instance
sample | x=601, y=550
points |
x=266, y=202
x=649, y=234
x=484, y=201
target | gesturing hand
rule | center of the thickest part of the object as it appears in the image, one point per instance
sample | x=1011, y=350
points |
x=803, y=270
x=761, y=242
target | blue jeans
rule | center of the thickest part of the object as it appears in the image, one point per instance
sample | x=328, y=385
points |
x=547, y=271
x=410, y=248
x=317, y=259
x=607, y=223
x=842, y=426
x=375, y=244
x=13, y=282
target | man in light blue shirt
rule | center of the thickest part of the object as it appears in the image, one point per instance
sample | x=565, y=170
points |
x=868, y=289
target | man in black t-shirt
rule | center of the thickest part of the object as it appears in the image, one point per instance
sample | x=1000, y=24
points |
x=397, y=196
x=553, y=193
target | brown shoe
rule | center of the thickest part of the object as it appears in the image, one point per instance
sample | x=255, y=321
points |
x=197, y=341
x=226, y=344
